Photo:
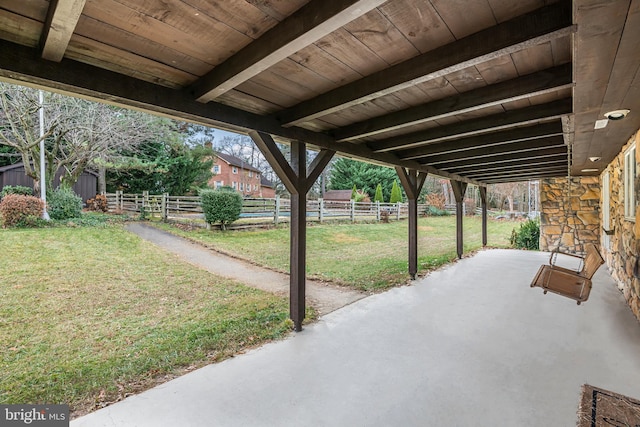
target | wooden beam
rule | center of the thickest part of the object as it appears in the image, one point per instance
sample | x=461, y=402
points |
x=498, y=150
x=487, y=140
x=483, y=205
x=412, y=182
x=18, y=65
x=459, y=188
x=513, y=165
x=553, y=152
x=524, y=177
x=298, y=237
x=307, y=25
x=538, y=83
x=483, y=176
x=542, y=25
x=495, y=122
x=61, y=21
x=276, y=159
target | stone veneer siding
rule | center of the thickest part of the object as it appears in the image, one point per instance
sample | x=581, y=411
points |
x=564, y=228
x=622, y=253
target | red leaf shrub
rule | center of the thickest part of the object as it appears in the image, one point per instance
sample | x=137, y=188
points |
x=99, y=203
x=15, y=208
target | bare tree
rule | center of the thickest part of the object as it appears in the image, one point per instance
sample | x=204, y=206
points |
x=78, y=133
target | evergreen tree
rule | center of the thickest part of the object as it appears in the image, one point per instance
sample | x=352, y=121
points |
x=396, y=193
x=378, y=197
x=346, y=172
x=354, y=192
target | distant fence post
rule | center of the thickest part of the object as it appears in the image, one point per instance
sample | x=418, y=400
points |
x=276, y=211
x=398, y=207
x=353, y=210
x=121, y=201
x=164, y=207
x=377, y=210
x=320, y=210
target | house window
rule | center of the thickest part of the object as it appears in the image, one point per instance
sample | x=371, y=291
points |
x=255, y=187
x=219, y=184
x=629, y=183
x=216, y=169
x=250, y=174
x=242, y=186
x=234, y=185
x=234, y=169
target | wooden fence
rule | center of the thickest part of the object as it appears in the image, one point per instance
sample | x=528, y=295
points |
x=261, y=210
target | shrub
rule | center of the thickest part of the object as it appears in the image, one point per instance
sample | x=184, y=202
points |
x=222, y=205
x=378, y=197
x=63, y=203
x=434, y=211
x=16, y=189
x=396, y=193
x=435, y=199
x=527, y=236
x=98, y=203
x=16, y=209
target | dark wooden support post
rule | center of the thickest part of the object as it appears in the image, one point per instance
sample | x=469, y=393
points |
x=298, y=181
x=483, y=203
x=459, y=189
x=412, y=182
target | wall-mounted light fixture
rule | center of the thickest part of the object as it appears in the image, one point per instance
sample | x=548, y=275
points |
x=589, y=170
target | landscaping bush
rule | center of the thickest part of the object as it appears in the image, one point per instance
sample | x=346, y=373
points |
x=16, y=189
x=221, y=206
x=98, y=203
x=63, y=203
x=527, y=236
x=17, y=209
x=435, y=211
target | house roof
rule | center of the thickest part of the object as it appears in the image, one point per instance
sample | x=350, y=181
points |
x=264, y=182
x=482, y=92
x=235, y=161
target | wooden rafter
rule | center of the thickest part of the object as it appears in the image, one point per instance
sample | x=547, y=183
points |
x=486, y=140
x=498, y=150
x=62, y=17
x=309, y=24
x=494, y=122
x=553, y=152
x=513, y=166
x=539, y=83
x=545, y=24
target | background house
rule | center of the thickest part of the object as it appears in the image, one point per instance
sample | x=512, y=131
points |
x=268, y=190
x=236, y=173
x=86, y=187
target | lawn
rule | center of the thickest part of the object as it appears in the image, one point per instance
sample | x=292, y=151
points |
x=90, y=315
x=368, y=257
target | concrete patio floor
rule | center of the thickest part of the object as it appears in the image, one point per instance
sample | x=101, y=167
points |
x=469, y=345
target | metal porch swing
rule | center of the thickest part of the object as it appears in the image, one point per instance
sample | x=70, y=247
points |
x=570, y=283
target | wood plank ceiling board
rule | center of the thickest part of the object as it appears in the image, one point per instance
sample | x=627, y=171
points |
x=532, y=59
x=143, y=47
x=622, y=91
x=477, y=15
x=419, y=22
x=519, y=156
x=307, y=25
x=508, y=37
x=497, y=69
x=347, y=49
x=597, y=39
x=325, y=65
x=19, y=29
x=33, y=9
x=514, y=166
x=503, y=10
x=62, y=18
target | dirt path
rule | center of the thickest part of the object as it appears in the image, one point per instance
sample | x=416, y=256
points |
x=324, y=297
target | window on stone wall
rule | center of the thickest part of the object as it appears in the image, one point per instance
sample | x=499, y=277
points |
x=629, y=183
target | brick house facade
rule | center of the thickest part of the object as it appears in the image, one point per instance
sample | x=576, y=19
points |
x=234, y=172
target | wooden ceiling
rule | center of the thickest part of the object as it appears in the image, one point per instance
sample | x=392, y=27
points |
x=481, y=91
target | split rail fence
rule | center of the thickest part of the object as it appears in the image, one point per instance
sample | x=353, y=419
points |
x=260, y=210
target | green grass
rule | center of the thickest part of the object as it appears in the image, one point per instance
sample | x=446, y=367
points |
x=89, y=315
x=368, y=257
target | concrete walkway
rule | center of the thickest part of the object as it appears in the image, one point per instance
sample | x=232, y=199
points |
x=324, y=297
x=469, y=345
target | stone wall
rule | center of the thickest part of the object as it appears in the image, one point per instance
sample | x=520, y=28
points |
x=622, y=248
x=569, y=225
